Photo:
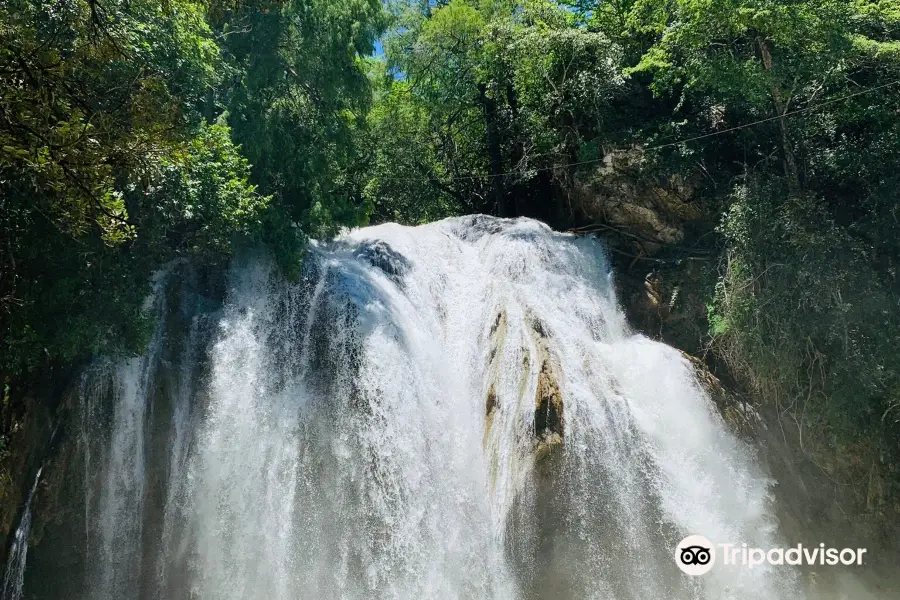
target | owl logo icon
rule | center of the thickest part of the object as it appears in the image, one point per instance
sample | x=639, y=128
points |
x=695, y=555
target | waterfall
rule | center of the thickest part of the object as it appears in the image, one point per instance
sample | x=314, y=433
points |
x=14, y=578
x=116, y=398
x=457, y=410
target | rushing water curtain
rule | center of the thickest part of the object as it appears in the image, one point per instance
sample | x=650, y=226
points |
x=457, y=410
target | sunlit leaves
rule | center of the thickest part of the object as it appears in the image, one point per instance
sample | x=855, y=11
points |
x=297, y=104
x=107, y=169
x=488, y=85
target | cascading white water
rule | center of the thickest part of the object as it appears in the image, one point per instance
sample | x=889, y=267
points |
x=14, y=577
x=456, y=410
x=115, y=480
x=172, y=549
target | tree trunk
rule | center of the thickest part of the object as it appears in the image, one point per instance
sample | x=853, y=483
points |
x=495, y=155
x=520, y=201
x=790, y=165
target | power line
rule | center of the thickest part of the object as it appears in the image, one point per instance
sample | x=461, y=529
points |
x=775, y=118
x=660, y=146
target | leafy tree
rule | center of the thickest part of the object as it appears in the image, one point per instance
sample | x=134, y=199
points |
x=120, y=125
x=106, y=168
x=407, y=175
x=501, y=94
x=297, y=99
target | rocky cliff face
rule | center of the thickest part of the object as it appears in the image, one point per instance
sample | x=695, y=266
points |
x=658, y=230
x=647, y=211
x=32, y=414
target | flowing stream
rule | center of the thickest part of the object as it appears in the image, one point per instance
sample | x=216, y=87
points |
x=457, y=411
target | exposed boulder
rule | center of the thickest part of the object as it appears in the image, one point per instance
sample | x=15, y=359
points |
x=647, y=212
x=548, y=400
x=496, y=339
x=548, y=404
x=546, y=447
x=380, y=255
x=491, y=403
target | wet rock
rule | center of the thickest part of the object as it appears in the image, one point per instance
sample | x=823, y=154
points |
x=548, y=411
x=474, y=227
x=741, y=418
x=548, y=401
x=496, y=339
x=491, y=402
x=382, y=256
x=538, y=326
x=500, y=318
x=546, y=447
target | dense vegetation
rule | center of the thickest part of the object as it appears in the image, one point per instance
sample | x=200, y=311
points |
x=135, y=132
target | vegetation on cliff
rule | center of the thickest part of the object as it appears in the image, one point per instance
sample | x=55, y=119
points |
x=136, y=132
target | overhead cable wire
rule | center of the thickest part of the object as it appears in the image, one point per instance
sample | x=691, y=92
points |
x=657, y=146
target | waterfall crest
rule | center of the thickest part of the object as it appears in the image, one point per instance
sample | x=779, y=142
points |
x=457, y=410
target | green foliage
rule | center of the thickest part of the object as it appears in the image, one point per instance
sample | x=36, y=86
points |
x=805, y=310
x=86, y=99
x=719, y=45
x=482, y=100
x=201, y=198
x=806, y=316
x=120, y=125
x=403, y=156
x=297, y=102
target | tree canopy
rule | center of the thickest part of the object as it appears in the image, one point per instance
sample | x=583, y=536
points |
x=136, y=132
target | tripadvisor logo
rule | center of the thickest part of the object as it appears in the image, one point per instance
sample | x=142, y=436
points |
x=696, y=555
